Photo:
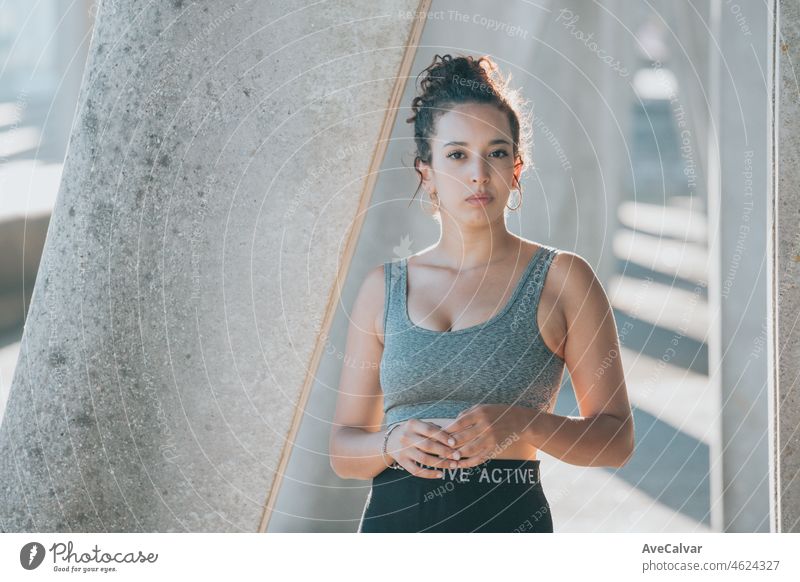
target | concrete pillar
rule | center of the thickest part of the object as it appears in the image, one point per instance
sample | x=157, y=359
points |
x=207, y=196
x=738, y=173
x=784, y=274
x=690, y=54
x=583, y=69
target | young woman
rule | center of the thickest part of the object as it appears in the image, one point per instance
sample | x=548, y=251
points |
x=472, y=336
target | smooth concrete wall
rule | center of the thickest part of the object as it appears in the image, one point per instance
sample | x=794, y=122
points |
x=739, y=288
x=579, y=78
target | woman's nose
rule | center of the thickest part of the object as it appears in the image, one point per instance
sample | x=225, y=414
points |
x=480, y=172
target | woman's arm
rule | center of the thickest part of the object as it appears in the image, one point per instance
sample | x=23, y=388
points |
x=603, y=435
x=356, y=437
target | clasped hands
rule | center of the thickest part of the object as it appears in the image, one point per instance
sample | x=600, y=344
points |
x=469, y=440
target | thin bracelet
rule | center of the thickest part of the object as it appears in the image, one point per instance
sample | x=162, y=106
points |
x=395, y=464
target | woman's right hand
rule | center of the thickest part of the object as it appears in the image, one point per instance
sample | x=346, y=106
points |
x=417, y=441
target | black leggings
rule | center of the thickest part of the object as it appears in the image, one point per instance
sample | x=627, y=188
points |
x=499, y=495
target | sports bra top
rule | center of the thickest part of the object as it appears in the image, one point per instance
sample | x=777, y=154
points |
x=426, y=373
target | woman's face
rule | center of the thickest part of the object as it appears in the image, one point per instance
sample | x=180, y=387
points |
x=471, y=153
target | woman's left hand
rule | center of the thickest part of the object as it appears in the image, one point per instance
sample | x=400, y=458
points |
x=484, y=430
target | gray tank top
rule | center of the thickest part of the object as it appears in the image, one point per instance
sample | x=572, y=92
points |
x=437, y=374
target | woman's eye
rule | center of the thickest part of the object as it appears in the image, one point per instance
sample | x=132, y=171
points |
x=459, y=155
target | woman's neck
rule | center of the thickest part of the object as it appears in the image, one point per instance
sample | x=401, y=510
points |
x=471, y=248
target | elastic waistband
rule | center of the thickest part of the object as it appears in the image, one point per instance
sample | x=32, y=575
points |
x=493, y=471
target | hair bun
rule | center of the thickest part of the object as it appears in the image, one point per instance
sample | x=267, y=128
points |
x=459, y=79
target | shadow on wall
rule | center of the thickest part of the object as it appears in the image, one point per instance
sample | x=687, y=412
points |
x=669, y=465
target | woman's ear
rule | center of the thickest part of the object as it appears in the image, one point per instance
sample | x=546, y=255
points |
x=517, y=173
x=427, y=174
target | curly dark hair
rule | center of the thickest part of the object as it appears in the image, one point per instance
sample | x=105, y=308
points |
x=451, y=81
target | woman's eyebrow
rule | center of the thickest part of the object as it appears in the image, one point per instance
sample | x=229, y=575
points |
x=463, y=143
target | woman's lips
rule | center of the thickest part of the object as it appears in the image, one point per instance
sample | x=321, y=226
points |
x=479, y=200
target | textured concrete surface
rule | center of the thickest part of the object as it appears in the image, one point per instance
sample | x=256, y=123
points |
x=213, y=172
x=787, y=271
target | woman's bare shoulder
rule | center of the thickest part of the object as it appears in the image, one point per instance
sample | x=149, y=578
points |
x=571, y=268
x=368, y=306
x=573, y=281
x=531, y=247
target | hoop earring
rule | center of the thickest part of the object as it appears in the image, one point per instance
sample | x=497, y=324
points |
x=519, y=189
